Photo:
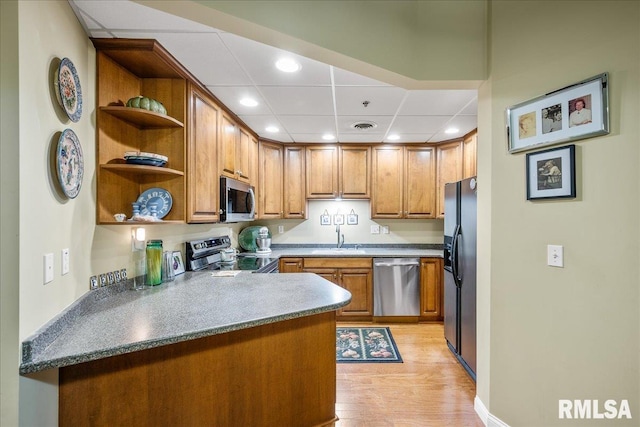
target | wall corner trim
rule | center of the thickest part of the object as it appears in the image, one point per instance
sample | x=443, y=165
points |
x=486, y=417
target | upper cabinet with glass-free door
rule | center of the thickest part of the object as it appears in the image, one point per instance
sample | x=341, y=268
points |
x=338, y=171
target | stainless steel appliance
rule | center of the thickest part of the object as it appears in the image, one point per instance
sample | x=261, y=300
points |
x=205, y=254
x=237, y=201
x=396, y=287
x=460, y=226
x=263, y=241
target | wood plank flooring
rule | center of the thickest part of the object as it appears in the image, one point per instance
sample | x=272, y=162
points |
x=429, y=389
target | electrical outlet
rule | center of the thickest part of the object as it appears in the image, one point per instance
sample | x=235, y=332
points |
x=48, y=268
x=385, y=229
x=280, y=229
x=65, y=261
x=375, y=229
x=555, y=256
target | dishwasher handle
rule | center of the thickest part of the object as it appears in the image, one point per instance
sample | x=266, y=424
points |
x=394, y=264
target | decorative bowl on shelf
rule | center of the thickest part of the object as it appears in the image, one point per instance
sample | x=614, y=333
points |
x=147, y=159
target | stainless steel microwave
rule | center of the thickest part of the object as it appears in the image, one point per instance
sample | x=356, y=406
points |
x=237, y=201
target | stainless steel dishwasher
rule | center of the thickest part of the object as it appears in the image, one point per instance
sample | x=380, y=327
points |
x=396, y=287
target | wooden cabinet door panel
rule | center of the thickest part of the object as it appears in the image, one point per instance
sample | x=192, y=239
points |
x=387, y=197
x=359, y=283
x=431, y=292
x=202, y=173
x=295, y=202
x=270, y=181
x=355, y=173
x=420, y=185
x=449, y=169
x=469, y=152
x=322, y=172
x=228, y=142
x=243, y=157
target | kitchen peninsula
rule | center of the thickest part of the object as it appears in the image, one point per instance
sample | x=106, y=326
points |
x=254, y=349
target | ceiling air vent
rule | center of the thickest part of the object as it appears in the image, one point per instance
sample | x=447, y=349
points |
x=364, y=125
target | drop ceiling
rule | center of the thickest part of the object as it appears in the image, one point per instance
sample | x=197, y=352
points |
x=319, y=99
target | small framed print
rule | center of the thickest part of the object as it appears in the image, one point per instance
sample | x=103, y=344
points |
x=575, y=112
x=178, y=265
x=352, y=219
x=325, y=219
x=338, y=219
x=551, y=174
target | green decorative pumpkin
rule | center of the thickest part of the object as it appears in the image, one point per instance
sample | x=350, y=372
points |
x=146, y=104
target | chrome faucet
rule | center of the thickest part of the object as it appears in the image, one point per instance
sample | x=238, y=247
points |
x=340, y=236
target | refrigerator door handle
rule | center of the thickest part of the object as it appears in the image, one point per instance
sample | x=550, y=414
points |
x=454, y=256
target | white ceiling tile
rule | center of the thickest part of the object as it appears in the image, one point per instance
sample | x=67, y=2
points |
x=99, y=34
x=308, y=124
x=411, y=137
x=309, y=137
x=90, y=23
x=464, y=124
x=471, y=109
x=259, y=62
x=126, y=15
x=382, y=100
x=231, y=96
x=363, y=138
x=418, y=124
x=436, y=102
x=259, y=124
x=299, y=100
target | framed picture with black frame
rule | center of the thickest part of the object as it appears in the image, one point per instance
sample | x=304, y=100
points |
x=551, y=174
x=575, y=112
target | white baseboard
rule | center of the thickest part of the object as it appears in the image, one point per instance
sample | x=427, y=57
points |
x=486, y=417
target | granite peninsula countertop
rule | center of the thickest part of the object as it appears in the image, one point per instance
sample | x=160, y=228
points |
x=116, y=319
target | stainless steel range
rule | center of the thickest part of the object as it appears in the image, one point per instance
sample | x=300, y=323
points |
x=204, y=254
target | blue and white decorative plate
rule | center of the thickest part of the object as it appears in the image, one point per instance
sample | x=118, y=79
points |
x=68, y=90
x=158, y=196
x=70, y=162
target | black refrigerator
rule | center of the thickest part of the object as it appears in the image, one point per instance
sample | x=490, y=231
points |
x=460, y=226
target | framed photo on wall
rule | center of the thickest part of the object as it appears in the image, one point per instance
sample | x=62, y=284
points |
x=575, y=112
x=551, y=174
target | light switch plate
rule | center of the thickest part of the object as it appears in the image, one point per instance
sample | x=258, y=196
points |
x=375, y=229
x=555, y=256
x=65, y=261
x=48, y=268
x=385, y=229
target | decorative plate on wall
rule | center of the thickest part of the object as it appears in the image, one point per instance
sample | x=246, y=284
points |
x=68, y=90
x=70, y=163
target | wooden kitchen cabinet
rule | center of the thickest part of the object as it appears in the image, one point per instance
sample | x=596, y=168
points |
x=234, y=152
x=290, y=265
x=126, y=69
x=469, y=155
x=270, y=182
x=203, y=182
x=403, y=182
x=338, y=171
x=431, y=289
x=294, y=200
x=353, y=274
x=449, y=169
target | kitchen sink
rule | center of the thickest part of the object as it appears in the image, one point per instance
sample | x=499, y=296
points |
x=336, y=251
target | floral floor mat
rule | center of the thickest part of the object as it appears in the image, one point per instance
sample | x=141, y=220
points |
x=366, y=345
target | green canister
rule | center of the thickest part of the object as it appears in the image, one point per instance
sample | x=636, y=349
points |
x=154, y=262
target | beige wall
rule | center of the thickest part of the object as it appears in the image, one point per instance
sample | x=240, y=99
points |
x=310, y=230
x=569, y=333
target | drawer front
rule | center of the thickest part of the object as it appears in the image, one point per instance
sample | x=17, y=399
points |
x=337, y=262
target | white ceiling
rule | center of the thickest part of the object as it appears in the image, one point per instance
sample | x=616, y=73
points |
x=317, y=100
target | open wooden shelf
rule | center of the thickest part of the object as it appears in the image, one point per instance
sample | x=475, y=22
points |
x=141, y=169
x=143, y=119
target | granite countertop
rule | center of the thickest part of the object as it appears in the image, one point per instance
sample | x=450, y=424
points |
x=116, y=319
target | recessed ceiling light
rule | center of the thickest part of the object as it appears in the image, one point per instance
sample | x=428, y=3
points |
x=328, y=137
x=272, y=129
x=452, y=130
x=393, y=137
x=249, y=102
x=288, y=65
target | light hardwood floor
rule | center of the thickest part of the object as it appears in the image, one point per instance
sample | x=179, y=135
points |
x=429, y=389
